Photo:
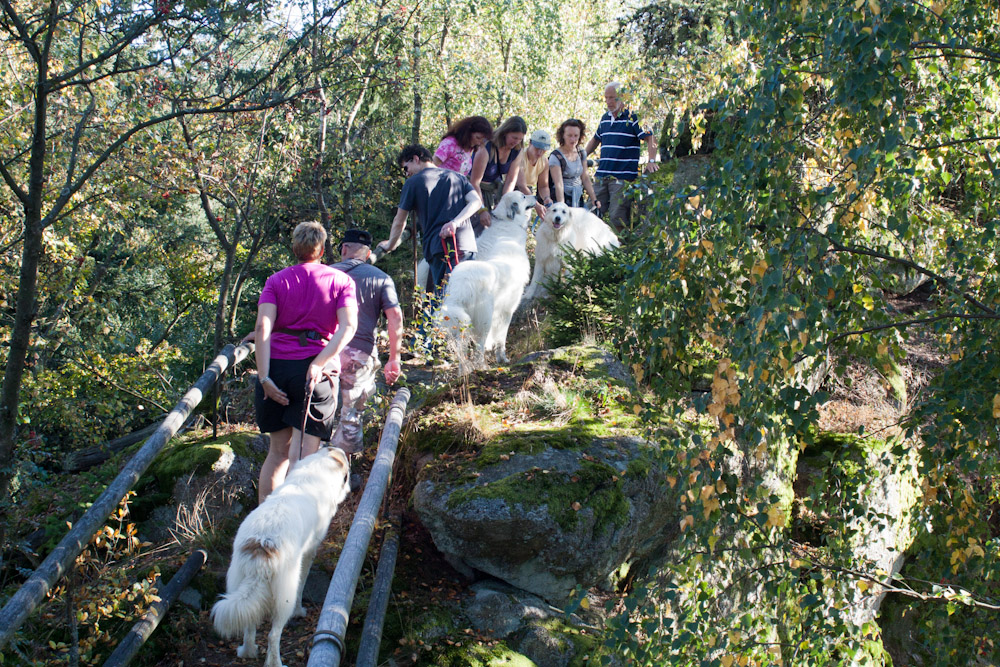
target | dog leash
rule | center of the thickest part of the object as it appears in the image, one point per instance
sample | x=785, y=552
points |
x=308, y=405
x=447, y=253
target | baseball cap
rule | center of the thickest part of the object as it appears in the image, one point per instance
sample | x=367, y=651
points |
x=357, y=236
x=541, y=139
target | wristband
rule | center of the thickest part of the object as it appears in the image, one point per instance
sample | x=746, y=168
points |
x=267, y=378
x=482, y=210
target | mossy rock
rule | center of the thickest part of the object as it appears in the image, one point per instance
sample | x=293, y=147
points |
x=222, y=470
x=550, y=502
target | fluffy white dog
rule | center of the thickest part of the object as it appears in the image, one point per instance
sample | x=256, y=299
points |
x=482, y=294
x=564, y=226
x=274, y=549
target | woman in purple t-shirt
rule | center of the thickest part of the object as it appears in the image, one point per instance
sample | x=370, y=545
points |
x=306, y=315
x=460, y=142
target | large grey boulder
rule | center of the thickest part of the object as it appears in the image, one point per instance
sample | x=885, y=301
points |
x=550, y=510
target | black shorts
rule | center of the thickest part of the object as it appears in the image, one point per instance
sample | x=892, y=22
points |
x=290, y=377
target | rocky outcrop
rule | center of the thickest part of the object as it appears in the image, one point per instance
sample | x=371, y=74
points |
x=196, y=483
x=553, y=507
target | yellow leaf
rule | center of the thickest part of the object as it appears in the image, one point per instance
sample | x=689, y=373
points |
x=863, y=585
x=937, y=8
x=996, y=406
x=671, y=480
x=585, y=603
x=687, y=522
x=708, y=246
x=875, y=7
x=637, y=409
x=775, y=517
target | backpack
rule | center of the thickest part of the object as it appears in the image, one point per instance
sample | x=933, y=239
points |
x=562, y=159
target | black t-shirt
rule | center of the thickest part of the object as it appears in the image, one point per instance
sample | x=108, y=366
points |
x=438, y=195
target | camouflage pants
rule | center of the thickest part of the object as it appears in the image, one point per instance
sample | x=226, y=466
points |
x=357, y=384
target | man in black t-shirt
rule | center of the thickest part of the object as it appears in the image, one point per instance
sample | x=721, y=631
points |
x=444, y=200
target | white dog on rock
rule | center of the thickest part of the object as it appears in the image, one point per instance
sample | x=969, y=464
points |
x=482, y=295
x=564, y=226
x=274, y=549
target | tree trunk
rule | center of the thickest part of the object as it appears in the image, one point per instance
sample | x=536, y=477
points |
x=418, y=100
x=27, y=287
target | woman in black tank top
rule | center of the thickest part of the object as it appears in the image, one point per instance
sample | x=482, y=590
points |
x=494, y=170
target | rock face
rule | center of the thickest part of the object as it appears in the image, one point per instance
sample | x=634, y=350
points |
x=552, y=509
x=197, y=483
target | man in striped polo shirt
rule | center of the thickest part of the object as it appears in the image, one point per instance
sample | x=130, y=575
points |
x=620, y=136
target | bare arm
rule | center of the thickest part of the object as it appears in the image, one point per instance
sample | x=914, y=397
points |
x=347, y=324
x=512, y=176
x=267, y=313
x=588, y=185
x=651, y=166
x=555, y=173
x=476, y=178
x=472, y=204
x=398, y=225
x=394, y=327
x=592, y=145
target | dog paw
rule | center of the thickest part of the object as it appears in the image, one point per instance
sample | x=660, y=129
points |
x=245, y=651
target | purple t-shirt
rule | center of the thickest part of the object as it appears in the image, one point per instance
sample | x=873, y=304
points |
x=308, y=297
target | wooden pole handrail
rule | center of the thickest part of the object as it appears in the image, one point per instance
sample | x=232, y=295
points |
x=27, y=598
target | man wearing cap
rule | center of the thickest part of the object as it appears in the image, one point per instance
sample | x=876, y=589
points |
x=620, y=136
x=376, y=294
x=534, y=172
x=443, y=200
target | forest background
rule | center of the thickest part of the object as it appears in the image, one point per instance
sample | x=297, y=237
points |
x=155, y=157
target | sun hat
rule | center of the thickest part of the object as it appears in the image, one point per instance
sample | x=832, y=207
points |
x=541, y=139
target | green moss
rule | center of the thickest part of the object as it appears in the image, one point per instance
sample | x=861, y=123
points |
x=594, y=485
x=195, y=455
x=585, y=646
x=477, y=655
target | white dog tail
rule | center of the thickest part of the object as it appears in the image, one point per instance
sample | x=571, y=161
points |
x=249, y=604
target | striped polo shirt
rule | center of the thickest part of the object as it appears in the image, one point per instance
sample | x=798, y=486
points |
x=620, y=145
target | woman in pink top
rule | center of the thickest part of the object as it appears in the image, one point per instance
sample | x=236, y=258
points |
x=460, y=142
x=306, y=315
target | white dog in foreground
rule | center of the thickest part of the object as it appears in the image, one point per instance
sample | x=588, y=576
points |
x=564, y=226
x=482, y=294
x=274, y=549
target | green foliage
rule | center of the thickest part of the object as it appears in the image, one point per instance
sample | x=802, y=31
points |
x=585, y=304
x=841, y=167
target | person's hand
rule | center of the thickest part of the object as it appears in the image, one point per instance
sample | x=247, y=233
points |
x=392, y=370
x=250, y=337
x=383, y=246
x=447, y=229
x=651, y=167
x=485, y=219
x=597, y=204
x=540, y=211
x=315, y=372
x=272, y=392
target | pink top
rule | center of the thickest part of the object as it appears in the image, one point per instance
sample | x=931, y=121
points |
x=453, y=156
x=308, y=297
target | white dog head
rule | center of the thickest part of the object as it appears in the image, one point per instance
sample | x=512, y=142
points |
x=558, y=215
x=515, y=206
